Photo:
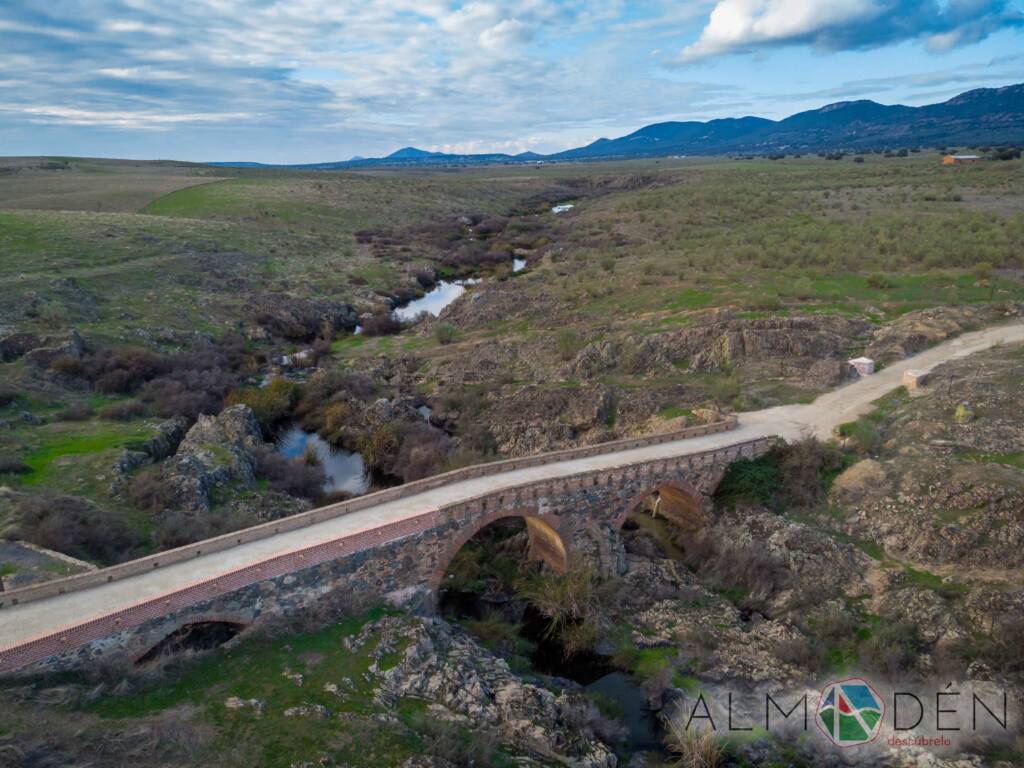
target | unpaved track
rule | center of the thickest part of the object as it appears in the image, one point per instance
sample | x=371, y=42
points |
x=33, y=619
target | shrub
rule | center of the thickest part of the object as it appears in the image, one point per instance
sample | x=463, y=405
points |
x=114, y=371
x=149, y=491
x=10, y=465
x=724, y=389
x=571, y=602
x=893, y=648
x=177, y=528
x=865, y=434
x=795, y=474
x=295, y=477
x=693, y=748
x=1002, y=646
x=422, y=453
x=568, y=343
x=380, y=445
x=879, y=282
x=75, y=412
x=271, y=403
x=382, y=324
x=125, y=411
x=78, y=528
x=7, y=396
x=325, y=386
x=455, y=744
x=197, y=385
x=445, y=333
x=807, y=466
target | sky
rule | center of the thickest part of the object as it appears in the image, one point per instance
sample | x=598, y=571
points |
x=294, y=81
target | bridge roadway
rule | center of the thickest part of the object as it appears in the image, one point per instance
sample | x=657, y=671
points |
x=35, y=618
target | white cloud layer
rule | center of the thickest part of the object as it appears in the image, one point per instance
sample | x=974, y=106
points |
x=744, y=25
x=371, y=76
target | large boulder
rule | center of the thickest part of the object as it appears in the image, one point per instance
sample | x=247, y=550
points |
x=41, y=356
x=466, y=684
x=217, y=450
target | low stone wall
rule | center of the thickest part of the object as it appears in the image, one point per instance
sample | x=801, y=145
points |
x=400, y=561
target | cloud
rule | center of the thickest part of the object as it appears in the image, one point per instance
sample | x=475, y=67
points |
x=737, y=26
x=324, y=79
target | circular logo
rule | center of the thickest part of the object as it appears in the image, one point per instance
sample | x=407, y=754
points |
x=850, y=712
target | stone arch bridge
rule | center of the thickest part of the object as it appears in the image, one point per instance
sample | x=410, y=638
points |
x=394, y=545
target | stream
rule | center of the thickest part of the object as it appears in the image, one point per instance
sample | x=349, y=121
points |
x=593, y=671
x=434, y=300
x=345, y=470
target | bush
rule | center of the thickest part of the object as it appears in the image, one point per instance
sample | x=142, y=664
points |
x=453, y=743
x=571, y=602
x=7, y=396
x=295, y=477
x=325, y=386
x=78, y=528
x=178, y=529
x=445, y=333
x=149, y=491
x=75, y=412
x=271, y=403
x=865, y=434
x=893, y=648
x=724, y=389
x=197, y=384
x=382, y=324
x=422, y=453
x=879, y=282
x=10, y=465
x=567, y=343
x=693, y=748
x=795, y=474
x=125, y=411
x=1002, y=646
x=379, y=446
x=114, y=371
x=747, y=574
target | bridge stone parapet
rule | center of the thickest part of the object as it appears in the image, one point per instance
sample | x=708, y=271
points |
x=402, y=562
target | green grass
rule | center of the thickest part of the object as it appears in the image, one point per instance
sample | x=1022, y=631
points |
x=927, y=580
x=58, y=443
x=1015, y=459
x=255, y=669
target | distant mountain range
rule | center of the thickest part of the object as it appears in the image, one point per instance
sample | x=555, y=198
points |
x=985, y=116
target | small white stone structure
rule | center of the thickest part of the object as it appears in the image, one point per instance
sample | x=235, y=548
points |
x=914, y=379
x=865, y=365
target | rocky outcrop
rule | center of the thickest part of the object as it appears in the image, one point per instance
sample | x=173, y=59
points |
x=925, y=328
x=296, y=318
x=162, y=444
x=217, y=450
x=14, y=345
x=466, y=684
x=534, y=419
x=52, y=348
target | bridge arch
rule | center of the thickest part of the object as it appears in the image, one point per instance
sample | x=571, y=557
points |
x=676, y=500
x=197, y=634
x=546, y=541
